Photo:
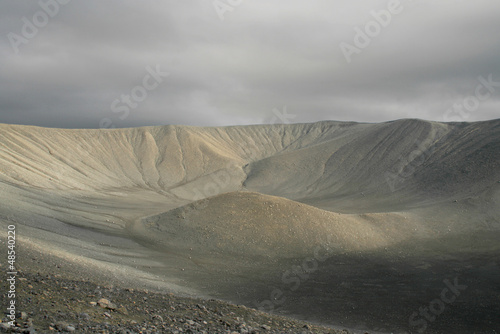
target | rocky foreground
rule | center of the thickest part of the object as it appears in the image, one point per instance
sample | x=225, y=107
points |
x=50, y=304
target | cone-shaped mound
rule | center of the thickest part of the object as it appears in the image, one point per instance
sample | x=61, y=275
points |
x=255, y=224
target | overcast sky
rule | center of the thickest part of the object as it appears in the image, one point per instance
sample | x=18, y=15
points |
x=88, y=63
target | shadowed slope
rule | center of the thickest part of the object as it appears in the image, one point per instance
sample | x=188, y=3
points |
x=406, y=162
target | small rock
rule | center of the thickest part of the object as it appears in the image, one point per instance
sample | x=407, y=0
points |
x=93, y=303
x=61, y=326
x=105, y=303
x=122, y=310
x=157, y=317
x=70, y=328
x=265, y=327
x=106, y=314
x=111, y=306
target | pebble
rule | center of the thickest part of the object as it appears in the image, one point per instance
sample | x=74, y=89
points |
x=105, y=303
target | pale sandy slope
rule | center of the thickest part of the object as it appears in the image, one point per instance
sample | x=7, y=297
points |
x=391, y=191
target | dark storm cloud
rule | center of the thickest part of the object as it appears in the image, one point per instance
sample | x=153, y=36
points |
x=263, y=55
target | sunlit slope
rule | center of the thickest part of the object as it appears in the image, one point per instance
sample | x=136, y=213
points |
x=155, y=157
x=321, y=161
x=247, y=224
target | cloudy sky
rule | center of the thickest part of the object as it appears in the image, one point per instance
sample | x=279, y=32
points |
x=91, y=64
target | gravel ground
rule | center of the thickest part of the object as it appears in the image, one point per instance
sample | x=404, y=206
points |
x=50, y=303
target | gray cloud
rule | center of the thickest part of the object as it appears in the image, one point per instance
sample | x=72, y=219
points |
x=263, y=55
